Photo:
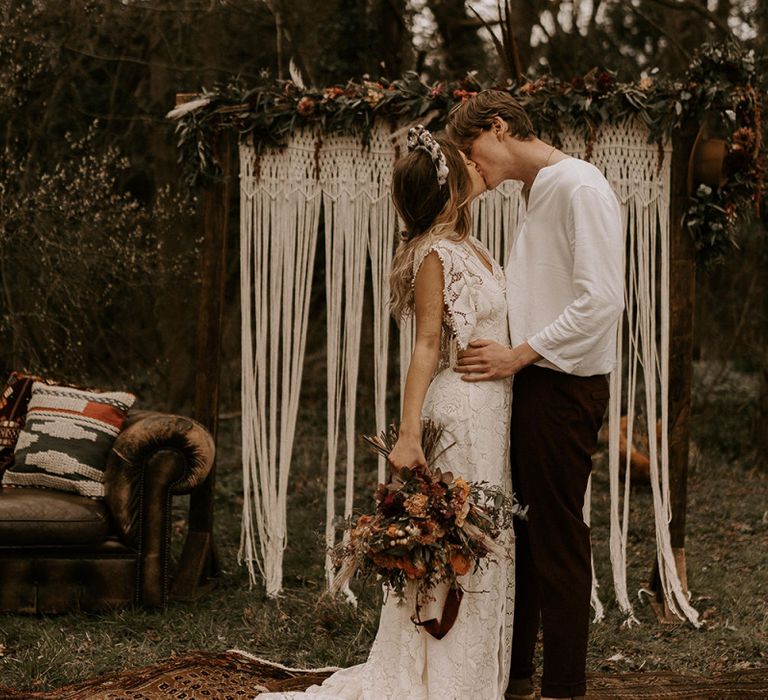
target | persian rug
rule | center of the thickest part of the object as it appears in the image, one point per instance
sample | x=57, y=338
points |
x=233, y=675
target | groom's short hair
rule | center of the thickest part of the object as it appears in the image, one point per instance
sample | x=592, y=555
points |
x=472, y=116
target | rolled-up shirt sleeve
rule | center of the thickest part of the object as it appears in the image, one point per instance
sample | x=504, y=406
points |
x=597, y=242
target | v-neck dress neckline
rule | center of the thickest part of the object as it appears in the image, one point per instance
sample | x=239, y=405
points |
x=477, y=248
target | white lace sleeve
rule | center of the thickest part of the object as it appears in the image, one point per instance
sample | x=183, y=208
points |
x=460, y=308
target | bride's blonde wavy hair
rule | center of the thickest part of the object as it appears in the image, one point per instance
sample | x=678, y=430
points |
x=429, y=212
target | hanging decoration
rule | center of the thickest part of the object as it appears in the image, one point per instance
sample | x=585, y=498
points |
x=359, y=226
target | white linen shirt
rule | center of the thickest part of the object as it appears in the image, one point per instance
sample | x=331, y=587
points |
x=565, y=270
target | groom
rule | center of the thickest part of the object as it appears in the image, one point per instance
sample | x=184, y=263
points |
x=565, y=293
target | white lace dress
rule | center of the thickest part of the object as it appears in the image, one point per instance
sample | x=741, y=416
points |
x=471, y=661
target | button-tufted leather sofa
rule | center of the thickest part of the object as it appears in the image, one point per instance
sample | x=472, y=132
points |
x=62, y=551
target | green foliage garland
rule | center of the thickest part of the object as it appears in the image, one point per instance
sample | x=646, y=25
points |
x=721, y=84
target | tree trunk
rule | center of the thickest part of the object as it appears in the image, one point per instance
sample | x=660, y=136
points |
x=761, y=416
x=391, y=40
x=690, y=29
x=342, y=39
x=175, y=321
x=759, y=432
x=463, y=49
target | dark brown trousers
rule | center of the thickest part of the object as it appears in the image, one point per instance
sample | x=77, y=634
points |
x=555, y=420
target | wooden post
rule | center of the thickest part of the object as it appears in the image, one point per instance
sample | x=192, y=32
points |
x=199, y=563
x=682, y=298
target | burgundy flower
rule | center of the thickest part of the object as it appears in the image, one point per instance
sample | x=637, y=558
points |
x=578, y=83
x=392, y=505
x=605, y=81
x=744, y=138
x=306, y=106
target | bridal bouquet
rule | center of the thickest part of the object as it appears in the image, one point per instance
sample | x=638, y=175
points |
x=428, y=527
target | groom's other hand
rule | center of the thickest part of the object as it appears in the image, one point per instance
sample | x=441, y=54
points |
x=485, y=360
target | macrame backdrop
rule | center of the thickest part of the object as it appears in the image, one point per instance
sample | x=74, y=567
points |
x=279, y=215
x=281, y=196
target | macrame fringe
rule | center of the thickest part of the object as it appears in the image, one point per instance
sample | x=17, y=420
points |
x=279, y=213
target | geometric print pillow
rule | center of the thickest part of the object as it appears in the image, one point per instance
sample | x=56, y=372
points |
x=66, y=438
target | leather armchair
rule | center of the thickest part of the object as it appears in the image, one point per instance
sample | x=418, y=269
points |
x=62, y=551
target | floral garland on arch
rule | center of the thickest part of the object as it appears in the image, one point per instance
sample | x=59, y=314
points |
x=720, y=85
x=723, y=88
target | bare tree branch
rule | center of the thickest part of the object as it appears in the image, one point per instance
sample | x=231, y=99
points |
x=469, y=22
x=137, y=61
x=506, y=47
x=663, y=32
x=702, y=11
x=398, y=15
x=541, y=26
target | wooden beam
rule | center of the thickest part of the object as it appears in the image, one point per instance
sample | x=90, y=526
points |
x=682, y=299
x=199, y=563
x=682, y=303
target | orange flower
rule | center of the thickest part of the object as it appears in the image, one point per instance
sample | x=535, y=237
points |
x=416, y=505
x=373, y=92
x=460, y=563
x=464, y=94
x=331, y=93
x=384, y=561
x=414, y=569
x=461, y=516
x=460, y=500
x=531, y=87
x=462, y=485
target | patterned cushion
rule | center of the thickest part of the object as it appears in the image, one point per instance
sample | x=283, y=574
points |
x=13, y=411
x=66, y=438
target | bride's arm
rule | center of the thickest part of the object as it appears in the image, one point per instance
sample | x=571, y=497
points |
x=428, y=308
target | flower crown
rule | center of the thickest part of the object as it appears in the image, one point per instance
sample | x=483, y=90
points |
x=419, y=139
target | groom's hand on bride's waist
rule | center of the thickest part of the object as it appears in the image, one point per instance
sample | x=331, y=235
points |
x=485, y=360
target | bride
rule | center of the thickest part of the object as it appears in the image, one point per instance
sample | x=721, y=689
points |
x=457, y=292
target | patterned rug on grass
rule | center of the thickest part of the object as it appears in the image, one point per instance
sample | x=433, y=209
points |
x=234, y=675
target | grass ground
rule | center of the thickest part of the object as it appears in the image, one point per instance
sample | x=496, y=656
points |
x=726, y=549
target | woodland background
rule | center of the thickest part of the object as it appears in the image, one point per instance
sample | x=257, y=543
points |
x=98, y=240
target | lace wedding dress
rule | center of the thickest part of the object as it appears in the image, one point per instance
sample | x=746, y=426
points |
x=471, y=661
